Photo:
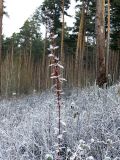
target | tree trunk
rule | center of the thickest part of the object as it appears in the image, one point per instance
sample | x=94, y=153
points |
x=80, y=48
x=1, y=18
x=108, y=41
x=43, y=59
x=100, y=42
x=62, y=34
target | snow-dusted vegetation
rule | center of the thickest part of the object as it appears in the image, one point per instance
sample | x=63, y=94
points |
x=90, y=121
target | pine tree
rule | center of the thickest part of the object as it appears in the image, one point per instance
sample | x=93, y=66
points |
x=1, y=19
x=52, y=9
x=115, y=24
x=100, y=42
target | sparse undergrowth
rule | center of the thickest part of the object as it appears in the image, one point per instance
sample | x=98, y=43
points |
x=91, y=125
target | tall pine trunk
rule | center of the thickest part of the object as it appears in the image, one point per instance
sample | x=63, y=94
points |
x=108, y=40
x=78, y=73
x=100, y=42
x=1, y=18
x=62, y=34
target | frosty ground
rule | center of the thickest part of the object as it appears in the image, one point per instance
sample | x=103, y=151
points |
x=90, y=120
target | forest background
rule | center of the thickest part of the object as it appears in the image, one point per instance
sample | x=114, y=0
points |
x=24, y=56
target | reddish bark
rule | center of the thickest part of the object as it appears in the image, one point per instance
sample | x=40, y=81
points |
x=100, y=43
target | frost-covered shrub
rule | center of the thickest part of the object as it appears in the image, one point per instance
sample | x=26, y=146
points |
x=48, y=157
x=90, y=125
x=90, y=158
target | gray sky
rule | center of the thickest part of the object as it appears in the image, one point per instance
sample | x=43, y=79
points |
x=20, y=10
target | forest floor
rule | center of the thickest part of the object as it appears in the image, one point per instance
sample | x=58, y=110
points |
x=90, y=125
